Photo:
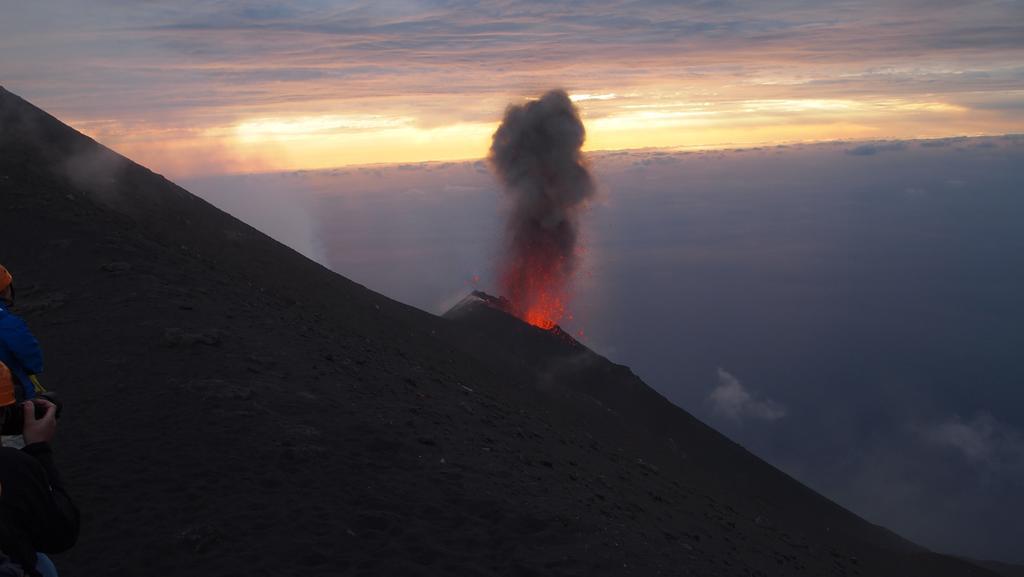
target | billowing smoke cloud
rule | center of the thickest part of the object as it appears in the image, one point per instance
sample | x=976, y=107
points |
x=536, y=155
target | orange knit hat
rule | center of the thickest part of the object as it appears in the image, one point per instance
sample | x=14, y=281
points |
x=5, y=278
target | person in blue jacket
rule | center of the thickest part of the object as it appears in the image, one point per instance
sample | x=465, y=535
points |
x=19, y=349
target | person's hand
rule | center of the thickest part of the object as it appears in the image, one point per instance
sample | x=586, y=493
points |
x=39, y=430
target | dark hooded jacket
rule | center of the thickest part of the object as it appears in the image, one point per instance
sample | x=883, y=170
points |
x=36, y=514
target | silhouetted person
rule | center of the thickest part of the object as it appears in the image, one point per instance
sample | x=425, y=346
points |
x=36, y=514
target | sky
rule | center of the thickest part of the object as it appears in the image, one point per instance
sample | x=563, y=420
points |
x=212, y=87
x=849, y=312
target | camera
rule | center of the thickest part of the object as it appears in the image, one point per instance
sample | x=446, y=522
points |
x=12, y=417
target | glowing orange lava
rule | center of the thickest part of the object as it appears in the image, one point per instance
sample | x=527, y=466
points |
x=535, y=283
x=545, y=313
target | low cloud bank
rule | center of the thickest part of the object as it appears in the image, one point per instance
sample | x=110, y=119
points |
x=876, y=147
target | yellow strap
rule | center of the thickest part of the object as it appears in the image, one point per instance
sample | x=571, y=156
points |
x=35, y=383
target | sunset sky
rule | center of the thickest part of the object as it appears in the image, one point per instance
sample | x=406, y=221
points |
x=192, y=88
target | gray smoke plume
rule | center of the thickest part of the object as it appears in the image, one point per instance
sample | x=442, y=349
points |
x=536, y=155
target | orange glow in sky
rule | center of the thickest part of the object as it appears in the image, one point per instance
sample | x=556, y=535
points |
x=235, y=86
x=308, y=141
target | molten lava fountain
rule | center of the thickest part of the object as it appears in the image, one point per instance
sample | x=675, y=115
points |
x=536, y=155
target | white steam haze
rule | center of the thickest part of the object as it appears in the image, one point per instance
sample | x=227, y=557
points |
x=867, y=291
x=272, y=203
x=732, y=399
x=981, y=440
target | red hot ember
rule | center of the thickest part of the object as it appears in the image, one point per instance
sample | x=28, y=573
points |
x=536, y=156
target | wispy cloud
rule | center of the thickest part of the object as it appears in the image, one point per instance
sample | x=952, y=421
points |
x=732, y=399
x=983, y=439
x=789, y=70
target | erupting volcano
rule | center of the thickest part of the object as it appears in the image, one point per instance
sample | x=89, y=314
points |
x=536, y=155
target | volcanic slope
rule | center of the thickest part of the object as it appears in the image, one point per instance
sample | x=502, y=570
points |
x=236, y=409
